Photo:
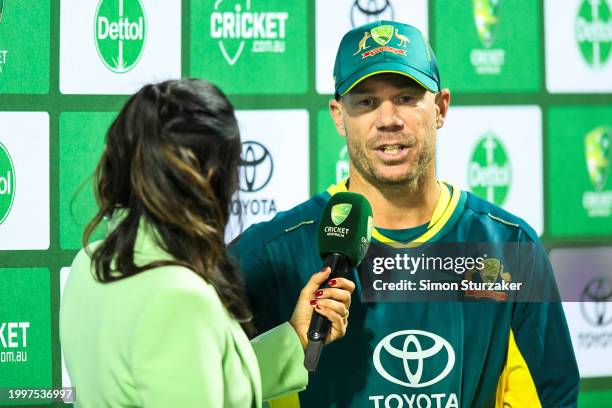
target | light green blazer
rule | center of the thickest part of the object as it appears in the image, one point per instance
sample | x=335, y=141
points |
x=162, y=338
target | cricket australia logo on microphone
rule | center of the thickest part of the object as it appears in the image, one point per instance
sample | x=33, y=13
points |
x=339, y=213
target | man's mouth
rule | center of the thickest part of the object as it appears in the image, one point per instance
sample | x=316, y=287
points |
x=392, y=149
x=392, y=152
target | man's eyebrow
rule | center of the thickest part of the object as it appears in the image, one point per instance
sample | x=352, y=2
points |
x=359, y=90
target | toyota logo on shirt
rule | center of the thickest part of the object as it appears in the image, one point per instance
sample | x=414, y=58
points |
x=412, y=350
x=256, y=167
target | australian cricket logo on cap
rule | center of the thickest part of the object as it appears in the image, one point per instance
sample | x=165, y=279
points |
x=7, y=183
x=487, y=61
x=339, y=212
x=385, y=47
x=489, y=170
x=597, y=151
x=593, y=30
x=382, y=35
x=120, y=30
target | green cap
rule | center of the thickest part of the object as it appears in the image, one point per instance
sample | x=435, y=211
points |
x=381, y=47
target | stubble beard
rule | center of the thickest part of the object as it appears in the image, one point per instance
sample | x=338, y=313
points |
x=409, y=180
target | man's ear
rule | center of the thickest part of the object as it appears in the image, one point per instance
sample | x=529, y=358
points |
x=442, y=102
x=335, y=110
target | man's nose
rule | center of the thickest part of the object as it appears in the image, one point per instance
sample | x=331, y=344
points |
x=388, y=117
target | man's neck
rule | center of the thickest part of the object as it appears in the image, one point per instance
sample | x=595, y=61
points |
x=399, y=207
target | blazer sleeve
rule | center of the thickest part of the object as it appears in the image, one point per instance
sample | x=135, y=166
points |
x=281, y=362
x=178, y=348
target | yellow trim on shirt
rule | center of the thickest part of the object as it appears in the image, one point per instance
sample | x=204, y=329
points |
x=516, y=387
x=288, y=401
x=443, y=211
x=340, y=187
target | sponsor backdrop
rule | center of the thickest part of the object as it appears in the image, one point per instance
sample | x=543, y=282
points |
x=530, y=128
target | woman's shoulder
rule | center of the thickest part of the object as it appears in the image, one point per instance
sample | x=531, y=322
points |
x=167, y=283
x=179, y=281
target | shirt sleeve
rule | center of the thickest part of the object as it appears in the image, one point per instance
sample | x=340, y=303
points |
x=281, y=361
x=541, y=368
x=178, y=348
x=261, y=283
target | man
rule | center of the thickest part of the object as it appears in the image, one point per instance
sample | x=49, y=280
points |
x=388, y=105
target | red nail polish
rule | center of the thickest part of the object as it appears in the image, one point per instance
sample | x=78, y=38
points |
x=332, y=282
x=318, y=307
x=313, y=302
x=319, y=293
x=323, y=269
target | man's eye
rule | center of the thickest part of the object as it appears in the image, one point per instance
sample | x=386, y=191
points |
x=406, y=99
x=365, y=103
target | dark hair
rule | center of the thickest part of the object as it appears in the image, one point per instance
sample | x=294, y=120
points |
x=171, y=161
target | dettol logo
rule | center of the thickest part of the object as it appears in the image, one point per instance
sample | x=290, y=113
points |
x=120, y=33
x=7, y=183
x=593, y=31
x=489, y=170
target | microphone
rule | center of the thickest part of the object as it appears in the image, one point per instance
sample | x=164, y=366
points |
x=343, y=237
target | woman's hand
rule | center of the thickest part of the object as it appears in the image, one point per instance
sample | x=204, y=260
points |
x=332, y=302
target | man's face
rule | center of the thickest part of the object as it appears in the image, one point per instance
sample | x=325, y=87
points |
x=390, y=124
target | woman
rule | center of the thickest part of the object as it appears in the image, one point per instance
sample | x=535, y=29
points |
x=154, y=315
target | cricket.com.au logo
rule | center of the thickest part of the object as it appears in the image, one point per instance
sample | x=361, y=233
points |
x=593, y=31
x=597, y=149
x=414, y=359
x=120, y=30
x=3, y=52
x=236, y=26
x=489, y=60
x=14, y=342
x=489, y=170
x=7, y=183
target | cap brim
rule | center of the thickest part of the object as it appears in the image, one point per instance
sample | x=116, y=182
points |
x=383, y=67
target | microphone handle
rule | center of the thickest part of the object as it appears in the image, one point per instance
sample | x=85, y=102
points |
x=320, y=325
